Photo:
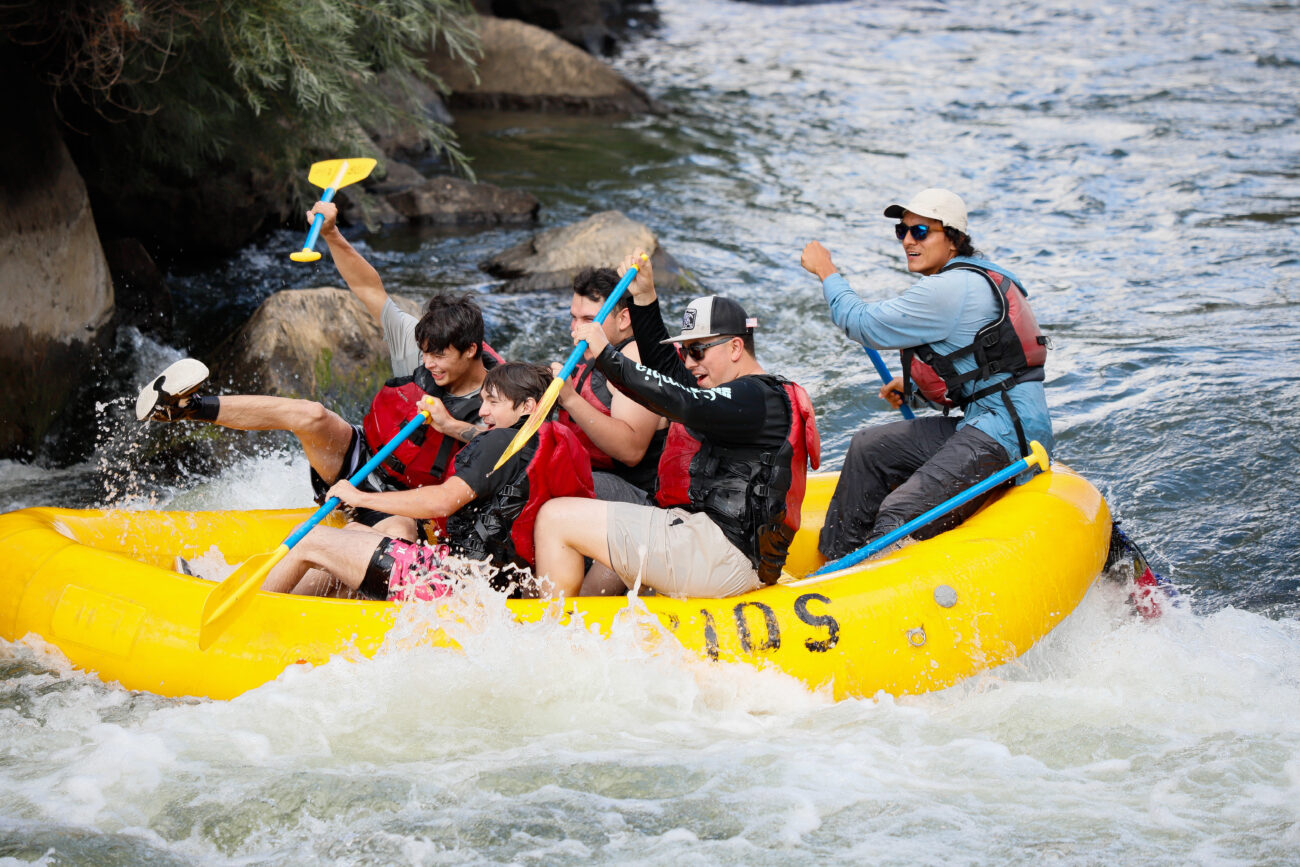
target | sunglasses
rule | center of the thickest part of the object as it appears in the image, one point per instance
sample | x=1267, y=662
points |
x=920, y=231
x=696, y=350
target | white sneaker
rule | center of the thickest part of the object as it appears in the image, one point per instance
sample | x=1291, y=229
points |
x=160, y=400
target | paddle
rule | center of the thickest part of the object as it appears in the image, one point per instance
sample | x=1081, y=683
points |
x=333, y=175
x=1151, y=589
x=1038, y=457
x=553, y=390
x=886, y=379
x=250, y=575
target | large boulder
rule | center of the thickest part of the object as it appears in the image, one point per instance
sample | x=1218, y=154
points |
x=58, y=309
x=552, y=258
x=319, y=344
x=399, y=138
x=595, y=25
x=525, y=68
x=448, y=201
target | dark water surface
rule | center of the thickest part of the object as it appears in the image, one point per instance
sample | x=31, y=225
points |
x=1137, y=165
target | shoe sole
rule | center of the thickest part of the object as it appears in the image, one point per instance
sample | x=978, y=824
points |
x=178, y=380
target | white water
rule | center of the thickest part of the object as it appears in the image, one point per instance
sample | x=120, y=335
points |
x=1176, y=740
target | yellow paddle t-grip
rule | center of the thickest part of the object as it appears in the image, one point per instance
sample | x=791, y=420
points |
x=333, y=175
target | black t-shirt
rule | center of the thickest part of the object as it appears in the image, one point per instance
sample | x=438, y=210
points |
x=475, y=460
x=745, y=412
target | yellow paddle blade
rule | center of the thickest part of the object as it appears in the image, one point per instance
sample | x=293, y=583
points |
x=304, y=256
x=238, y=586
x=534, y=422
x=339, y=173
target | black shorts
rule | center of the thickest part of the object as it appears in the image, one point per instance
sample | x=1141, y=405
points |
x=356, y=456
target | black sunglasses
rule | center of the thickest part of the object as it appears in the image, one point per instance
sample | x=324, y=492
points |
x=920, y=231
x=696, y=350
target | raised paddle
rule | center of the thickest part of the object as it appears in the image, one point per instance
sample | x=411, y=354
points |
x=1037, y=457
x=553, y=390
x=332, y=175
x=887, y=379
x=252, y=572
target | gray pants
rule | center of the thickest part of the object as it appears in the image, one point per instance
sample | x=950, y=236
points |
x=895, y=472
x=615, y=489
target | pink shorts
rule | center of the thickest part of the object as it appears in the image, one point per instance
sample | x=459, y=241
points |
x=417, y=571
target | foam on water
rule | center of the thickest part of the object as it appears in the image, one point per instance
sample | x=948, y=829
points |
x=545, y=741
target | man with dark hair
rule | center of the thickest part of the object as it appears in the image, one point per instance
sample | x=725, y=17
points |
x=731, y=479
x=623, y=438
x=489, y=515
x=456, y=328
x=449, y=379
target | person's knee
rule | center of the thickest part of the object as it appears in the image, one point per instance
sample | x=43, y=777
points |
x=309, y=415
x=397, y=527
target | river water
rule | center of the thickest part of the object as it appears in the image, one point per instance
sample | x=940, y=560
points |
x=1137, y=164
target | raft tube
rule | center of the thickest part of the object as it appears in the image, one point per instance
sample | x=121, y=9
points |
x=99, y=586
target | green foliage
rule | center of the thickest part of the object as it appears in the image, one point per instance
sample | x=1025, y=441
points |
x=265, y=85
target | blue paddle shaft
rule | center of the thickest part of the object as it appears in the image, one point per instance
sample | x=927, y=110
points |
x=314, y=232
x=576, y=355
x=886, y=379
x=920, y=521
x=382, y=455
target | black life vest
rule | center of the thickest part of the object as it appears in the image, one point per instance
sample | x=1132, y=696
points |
x=423, y=459
x=594, y=388
x=754, y=496
x=1010, y=343
x=500, y=527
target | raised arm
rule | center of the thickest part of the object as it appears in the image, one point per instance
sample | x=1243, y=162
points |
x=360, y=275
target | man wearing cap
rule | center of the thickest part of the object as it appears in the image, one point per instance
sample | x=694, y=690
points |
x=731, y=479
x=892, y=473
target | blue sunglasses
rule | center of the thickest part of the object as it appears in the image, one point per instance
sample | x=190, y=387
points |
x=920, y=232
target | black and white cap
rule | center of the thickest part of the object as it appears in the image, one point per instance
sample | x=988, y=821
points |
x=713, y=316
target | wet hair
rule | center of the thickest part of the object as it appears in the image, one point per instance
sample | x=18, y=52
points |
x=962, y=242
x=450, y=320
x=516, y=381
x=595, y=284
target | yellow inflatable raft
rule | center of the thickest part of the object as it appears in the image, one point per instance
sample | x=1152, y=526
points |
x=98, y=585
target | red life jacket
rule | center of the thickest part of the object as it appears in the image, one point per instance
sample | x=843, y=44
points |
x=754, y=496
x=594, y=388
x=424, y=458
x=500, y=527
x=1011, y=343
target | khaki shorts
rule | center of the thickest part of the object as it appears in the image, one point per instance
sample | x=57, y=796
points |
x=676, y=552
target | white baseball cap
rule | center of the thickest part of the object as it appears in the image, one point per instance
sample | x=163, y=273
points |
x=713, y=316
x=937, y=204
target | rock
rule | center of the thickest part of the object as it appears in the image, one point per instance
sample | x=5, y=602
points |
x=403, y=139
x=142, y=296
x=58, y=310
x=525, y=68
x=447, y=201
x=593, y=25
x=552, y=258
x=320, y=344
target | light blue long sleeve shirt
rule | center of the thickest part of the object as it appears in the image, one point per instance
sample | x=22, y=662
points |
x=946, y=311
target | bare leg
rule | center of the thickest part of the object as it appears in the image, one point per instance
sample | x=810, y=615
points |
x=324, y=434
x=568, y=529
x=602, y=581
x=319, y=582
x=344, y=554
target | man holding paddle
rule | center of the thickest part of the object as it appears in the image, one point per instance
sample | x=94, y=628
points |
x=489, y=514
x=451, y=373
x=731, y=479
x=969, y=341
x=623, y=438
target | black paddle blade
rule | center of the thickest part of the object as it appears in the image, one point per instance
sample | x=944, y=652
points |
x=1152, y=591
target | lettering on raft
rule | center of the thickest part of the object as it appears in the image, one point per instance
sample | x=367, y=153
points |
x=771, y=626
x=773, y=641
x=820, y=620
